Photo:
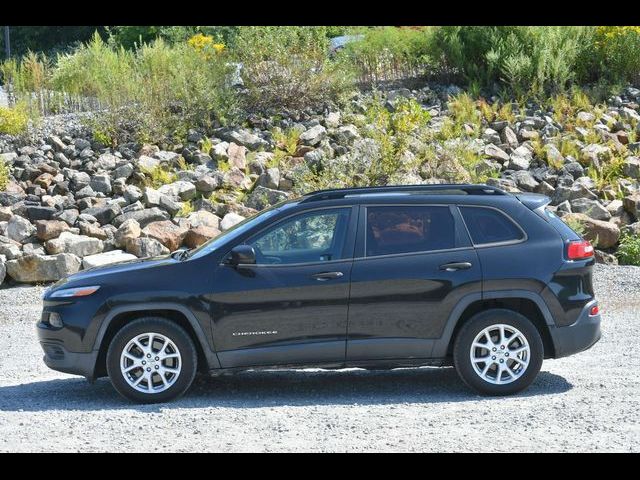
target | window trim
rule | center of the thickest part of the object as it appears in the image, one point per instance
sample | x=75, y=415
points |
x=522, y=239
x=349, y=232
x=421, y=252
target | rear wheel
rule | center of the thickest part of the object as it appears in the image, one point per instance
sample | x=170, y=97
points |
x=151, y=360
x=498, y=352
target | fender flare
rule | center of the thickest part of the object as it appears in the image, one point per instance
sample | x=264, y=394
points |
x=442, y=344
x=212, y=358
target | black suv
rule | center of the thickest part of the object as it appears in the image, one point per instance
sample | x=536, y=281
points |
x=379, y=277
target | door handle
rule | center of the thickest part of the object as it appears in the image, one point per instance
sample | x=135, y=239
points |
x=453, y=266
x=323, y=276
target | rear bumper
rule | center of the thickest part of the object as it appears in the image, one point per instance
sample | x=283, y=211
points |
x=577, y=337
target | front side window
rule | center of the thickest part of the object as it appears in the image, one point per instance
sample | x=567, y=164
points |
x=316, y=236
x=487, y=225
x=406, y=229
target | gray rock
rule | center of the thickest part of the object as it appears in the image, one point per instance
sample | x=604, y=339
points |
x=631, y=167
x=229, y=220
x=123, y=171
x=182, y=189
x=615, y=208
x=79, y=245
x=509, y=137
x=146, y=247
x=43, y=268
x=592, y=208
x=270, y=179
x=207, y=183
x=128, y=231
x=595, y=154
x=9, y=248
x=108, y=258
x=574, y=169
x=101, y=183
x=132, y=194
x=525, y=180
x=69, y=216
x=491, y=136
x=262, y=197
x=346, y=135
x=314, y=158
x=20, y=229
x=632, y=204
x=104, y=214
x=38, y=212
x=243, y=137
x=313, y=136
x=496, y=153
x=518, y=162
x=143, y=217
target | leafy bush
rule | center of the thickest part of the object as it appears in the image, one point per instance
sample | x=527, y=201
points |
x=614, y=54
x=158, y=176
x=13, y=121
x=629, y=250
x=5, y=171
x=288, y=67
x=387, y=53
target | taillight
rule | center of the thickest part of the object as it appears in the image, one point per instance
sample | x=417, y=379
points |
x=579, y=250
x=594, y=310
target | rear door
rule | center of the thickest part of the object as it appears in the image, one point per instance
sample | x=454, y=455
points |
x=414, y=263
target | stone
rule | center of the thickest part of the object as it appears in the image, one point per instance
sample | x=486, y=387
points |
x=9, y=248
x=518, y=162
x=219, y=151
x=346, y=135
x=104, y=214
x=605, y=258
x=574, y=169
x=202, y=218
x=20, y=229
x=144, y=217
x=496, y=153
x=8, y=157
x=124, y=171
x=615, y=208
x=106, y=161
x=5, y=214
x=129, y=230
x=108, y=258
x=48, y=229
x=237, y=155
x=332, y=120
x=554, y=157
x=262, y=197
x=631, y=167
x=132, y=194
x=182, y=189
x=491, y=136
x=166, y=232
x=39, y=212
x=585, y=117
x=207, y=183
x=42, y=268
x=69, y=216
x=33, y=249
x=509, y=137
x=525, y=180
x=92, y=230
x=236, y=178
x=101, y=183
x=592, y=208
x=632, y=204
x=243, y=137
x=44, y=180
x=600, y=234
x=79, y=245
x=146, y=247
x=229, y=220
x=198, y=235
x=270, y=179
x=313, y=136
x=147, y=163
x=595, y=154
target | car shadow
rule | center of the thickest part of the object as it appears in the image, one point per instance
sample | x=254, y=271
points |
x=255, y=389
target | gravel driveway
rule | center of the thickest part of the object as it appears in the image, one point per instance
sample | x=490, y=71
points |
x=588, y=402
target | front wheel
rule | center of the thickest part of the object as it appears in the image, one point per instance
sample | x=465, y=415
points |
x=151, y=360
x=498, y=352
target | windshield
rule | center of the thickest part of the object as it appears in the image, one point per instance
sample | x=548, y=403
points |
x=234, y=232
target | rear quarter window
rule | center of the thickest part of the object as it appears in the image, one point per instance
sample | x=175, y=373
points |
x=487, y=225
x=562, y=228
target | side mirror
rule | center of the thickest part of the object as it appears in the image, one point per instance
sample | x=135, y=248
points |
x=242, y=255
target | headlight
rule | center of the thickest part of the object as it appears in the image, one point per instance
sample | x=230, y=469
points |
x=74, y=292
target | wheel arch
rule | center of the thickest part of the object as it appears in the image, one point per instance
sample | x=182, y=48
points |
x=523, y=302
x=182, y=316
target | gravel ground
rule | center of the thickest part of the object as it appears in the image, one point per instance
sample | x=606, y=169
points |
x=588, y=402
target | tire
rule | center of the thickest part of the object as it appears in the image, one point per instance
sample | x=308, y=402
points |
x=522, y=356
x=157, y=380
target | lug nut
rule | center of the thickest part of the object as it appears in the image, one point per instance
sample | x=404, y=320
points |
x=493, y=358
x=143, y=362
x=148, y=355
x=506, y=354
x=494, y=349
x=501, y=347
x=157, y=358
x=501, y=360
x=148, y=369
x=157, y=367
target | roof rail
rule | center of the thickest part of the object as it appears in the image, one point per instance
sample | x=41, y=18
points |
x=440, y=188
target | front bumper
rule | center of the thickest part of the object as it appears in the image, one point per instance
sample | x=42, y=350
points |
x=58, y=357
x=579, y=336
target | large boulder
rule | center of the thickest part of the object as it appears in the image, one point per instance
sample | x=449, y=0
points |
x=48, y=229
x=243, y=137
x=182, y=189
x=202, y=218
x=237, y=155
x=601, y=234
x=166, y=232
x=43, y=268
x=631, y=167
x=144, y=217
x=108, y=258
x=146, y=247
x=592, y=208
x=313, y=136
x=632, y=204
x=229, y=220
x=198, y=235
x=129, y=230
x=262, y=197
x=20, y=229
x=79, y=245
x=9, y=248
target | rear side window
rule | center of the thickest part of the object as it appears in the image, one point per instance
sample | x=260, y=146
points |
x=487, y=225
x=562, y=228
x=406, y=229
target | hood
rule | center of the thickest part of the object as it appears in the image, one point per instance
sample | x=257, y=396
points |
x=96, y=273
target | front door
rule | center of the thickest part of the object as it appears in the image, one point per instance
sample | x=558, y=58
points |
x=415, y=264
x=291, y=307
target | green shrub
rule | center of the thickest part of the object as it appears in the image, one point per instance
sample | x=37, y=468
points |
x=613, y=54
x=158, y=176
x=629, y=250
x=13, y=121
x=5, y=171
x=289, y=67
